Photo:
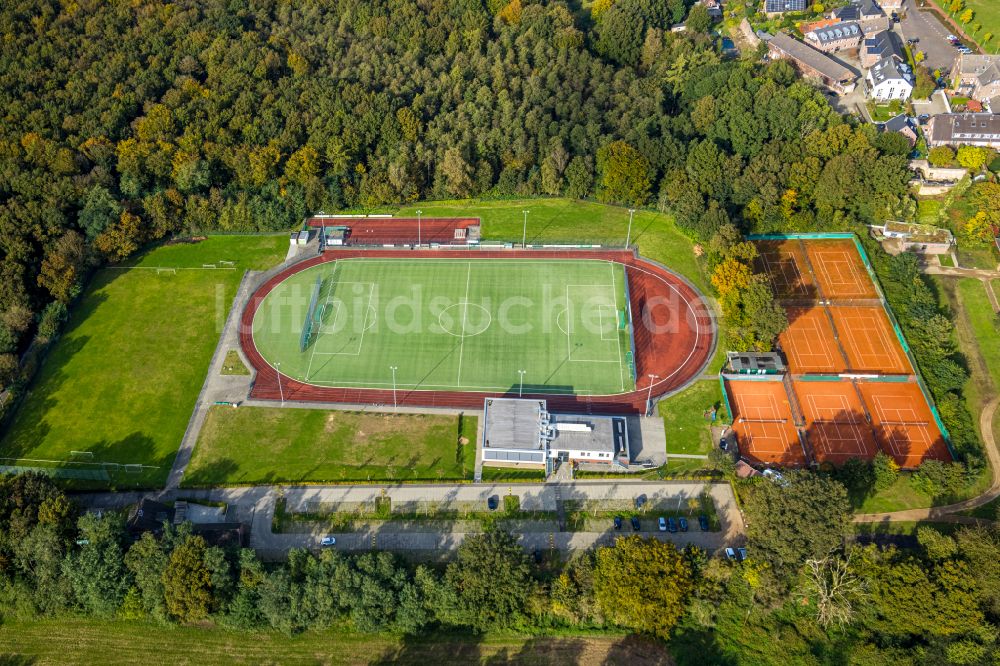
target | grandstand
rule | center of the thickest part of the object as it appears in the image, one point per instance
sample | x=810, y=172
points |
x=381, y=231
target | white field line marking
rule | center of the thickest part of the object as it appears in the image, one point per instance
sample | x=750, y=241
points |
x=618, y=338
x=569, y=349
x=465, y=317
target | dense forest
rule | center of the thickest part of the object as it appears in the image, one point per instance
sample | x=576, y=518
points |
x=805, y=595
x=126, y=122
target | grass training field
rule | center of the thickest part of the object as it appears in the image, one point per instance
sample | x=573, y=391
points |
x=113, y=643
x=273, y=445
x=452, y=324
x=124, y=377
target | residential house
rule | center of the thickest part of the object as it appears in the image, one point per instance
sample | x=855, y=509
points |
x=879, y=46
x=812, y=63
x=836, y=37
x=816, y=25
x=889, y=79
x=903, y=125
x=775, y=7
x=714, y=8
x=977, y=76
x=969, y=129
x=865, y=13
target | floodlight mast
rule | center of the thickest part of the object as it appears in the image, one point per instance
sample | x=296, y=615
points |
x=649, y=396
x=281, y=392
x=395, y=405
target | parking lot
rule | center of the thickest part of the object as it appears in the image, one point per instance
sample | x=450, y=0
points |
x=924, y=26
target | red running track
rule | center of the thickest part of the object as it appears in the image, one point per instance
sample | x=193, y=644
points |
x=674, y=331
x=399, y=230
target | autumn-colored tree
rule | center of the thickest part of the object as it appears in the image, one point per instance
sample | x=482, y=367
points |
x=511, y=14
x=978, y=231
x=730, y=276
x=599, y=7
x=120, y=239
x=972, y=157
x=642, y=584
x=302, y=165
x=966, y=16
x=187, y=581
x=60, y=272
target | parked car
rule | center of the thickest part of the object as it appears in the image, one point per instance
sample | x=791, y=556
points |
x=635, y=524
x=671, y=525
x=723, y=443
x=741, y=553
x=730, y=554
x=493, y=502
x=952, y=38
x=703, y=523
x=663, y=524
x=639, y=501
x=618, y=522
x=912, y=41
x=328, y=541
x=683, y=522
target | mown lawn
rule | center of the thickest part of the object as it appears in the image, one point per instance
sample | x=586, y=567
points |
x=688, y=431
x=572, y=221
x=253, y=445
x=113, y=643
x=124, y=377
x=976, y=335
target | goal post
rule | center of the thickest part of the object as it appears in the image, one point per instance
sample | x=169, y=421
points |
x=310, y=322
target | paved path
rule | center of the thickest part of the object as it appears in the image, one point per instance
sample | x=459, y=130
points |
x=256, y=505
x=952, y=271
x=945, y=513
x=216, y=386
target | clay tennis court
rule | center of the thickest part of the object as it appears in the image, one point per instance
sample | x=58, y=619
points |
x=785, y=263
x=835, y=421
x=903, y=423
x=809, y=344
x=839, y=270
x=762, y=420
x=869, y=340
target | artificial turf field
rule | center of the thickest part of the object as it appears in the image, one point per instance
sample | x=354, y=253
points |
x=452, y=324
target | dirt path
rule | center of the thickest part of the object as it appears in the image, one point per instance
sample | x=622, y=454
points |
x=945, y=513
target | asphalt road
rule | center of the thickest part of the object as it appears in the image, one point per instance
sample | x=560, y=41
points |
x=256, y=505
x=925, y=26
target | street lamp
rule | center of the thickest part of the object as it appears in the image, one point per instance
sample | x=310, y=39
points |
x=628, y=237
x=649, y=396
x=418, y=227
x=280, y=391
x=524, y=232
x=395, y=405
x=520, y=390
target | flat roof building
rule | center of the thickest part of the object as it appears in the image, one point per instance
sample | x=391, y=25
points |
x=523, y=432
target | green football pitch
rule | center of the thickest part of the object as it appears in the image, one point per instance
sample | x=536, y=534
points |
x=452, y=324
